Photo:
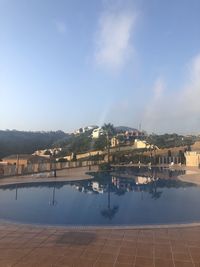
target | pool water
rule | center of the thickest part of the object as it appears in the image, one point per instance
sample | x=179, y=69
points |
x=125, y=197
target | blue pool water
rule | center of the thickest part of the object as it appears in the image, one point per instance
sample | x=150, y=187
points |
x=125, y=197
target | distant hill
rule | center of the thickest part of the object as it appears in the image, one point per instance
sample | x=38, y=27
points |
x=21, y=142
x=124, y=129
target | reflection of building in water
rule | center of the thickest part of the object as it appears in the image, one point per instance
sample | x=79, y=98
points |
x=97, y=187
x=122, y=184
x=80, y=188
x=142, y=180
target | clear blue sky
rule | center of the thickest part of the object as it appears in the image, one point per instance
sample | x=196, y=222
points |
x=70, y=63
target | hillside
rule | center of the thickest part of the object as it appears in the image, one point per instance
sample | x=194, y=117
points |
x=21, y=142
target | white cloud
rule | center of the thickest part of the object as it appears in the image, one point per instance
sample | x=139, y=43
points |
x=178, y=112
x=60, y=26
x=113, y=37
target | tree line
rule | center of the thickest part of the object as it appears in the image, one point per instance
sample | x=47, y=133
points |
x=22, y=142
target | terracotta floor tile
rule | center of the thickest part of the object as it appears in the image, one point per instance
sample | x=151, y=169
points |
x=163, y=246
x=144, y=262
x=89, y=255
x=146, y=240
x=111, y=242
x=107, y=257
x=103, y=264
x=194, y=250
x=145, y=252
x=131, y=238
x=128, y=244
x=116, y=237
x=110, y=249
x=163, y=254
x=40, y=247
x=127, y=259
x=163, y=263
x=193, y=243
x=128, y=250
x=123, y=265
x=183, y=264
x=180, y=249
x=178, y=243
x=83, y=263
x=95, y=248
x=65, y=261
x=195, y=257
x=159, y=240
x=182, y=256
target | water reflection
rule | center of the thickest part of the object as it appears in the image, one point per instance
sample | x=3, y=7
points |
x=109, y=212
x=53, y=201
x=138, y=180
x=141, y=179
x=124, y=196
x=16, y=193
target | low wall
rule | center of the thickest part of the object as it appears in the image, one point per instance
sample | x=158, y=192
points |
x=13, y=170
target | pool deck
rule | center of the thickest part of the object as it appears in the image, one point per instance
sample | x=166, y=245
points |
x=72, y=174
x=192, y=175
x=31, y=246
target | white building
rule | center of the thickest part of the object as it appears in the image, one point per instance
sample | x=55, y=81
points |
x=97, y=133
x=85, y=129
x=143, y=144
x=97, y=187
x=142, y=180
x=192, y=158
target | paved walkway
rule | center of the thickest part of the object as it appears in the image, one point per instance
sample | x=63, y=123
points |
x=34, y=246
x=192, y=175
x=28, y=246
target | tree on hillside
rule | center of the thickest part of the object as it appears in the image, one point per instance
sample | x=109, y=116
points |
x=109, y=129
x=100, y=143
x=21, y=142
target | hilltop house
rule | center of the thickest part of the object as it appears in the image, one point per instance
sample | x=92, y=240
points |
x=85, y=129
x=139, y=144
x=47, y=152
x=96, y=133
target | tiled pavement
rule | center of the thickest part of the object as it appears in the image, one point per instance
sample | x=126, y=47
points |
x=29, y=246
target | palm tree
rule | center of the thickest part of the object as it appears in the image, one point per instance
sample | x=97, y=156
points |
x=109, y=130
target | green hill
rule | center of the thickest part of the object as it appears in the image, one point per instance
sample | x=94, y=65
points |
x=21, y=142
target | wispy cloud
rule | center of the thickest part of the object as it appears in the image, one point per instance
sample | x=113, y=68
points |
x=180, y=111
x=113, y=46
x=60, y=26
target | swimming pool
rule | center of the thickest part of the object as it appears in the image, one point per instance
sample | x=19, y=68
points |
x=125, y=197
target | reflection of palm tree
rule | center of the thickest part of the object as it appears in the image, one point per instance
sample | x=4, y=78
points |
x=155, y=194
x=153, y=190
x=109, y=212
x=153, y=183
x=53, y=202
x=16, y=192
